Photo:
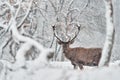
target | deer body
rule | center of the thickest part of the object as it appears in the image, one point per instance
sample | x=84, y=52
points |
x=82, y=56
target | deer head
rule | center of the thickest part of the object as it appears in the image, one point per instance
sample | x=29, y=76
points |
x=70, y=40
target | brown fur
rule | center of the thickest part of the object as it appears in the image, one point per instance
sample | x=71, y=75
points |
x=82, y=56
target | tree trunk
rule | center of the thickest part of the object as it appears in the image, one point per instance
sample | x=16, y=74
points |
x=110, y=34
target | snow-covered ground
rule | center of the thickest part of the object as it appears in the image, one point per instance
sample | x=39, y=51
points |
x=62, y=71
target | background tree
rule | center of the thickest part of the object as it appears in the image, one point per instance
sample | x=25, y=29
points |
x=110, y=34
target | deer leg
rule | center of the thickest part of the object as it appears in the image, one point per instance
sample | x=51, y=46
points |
x=81, y=66
x=75, y=67
x=74, y=64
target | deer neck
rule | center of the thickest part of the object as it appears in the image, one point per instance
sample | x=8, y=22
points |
x=65, y=48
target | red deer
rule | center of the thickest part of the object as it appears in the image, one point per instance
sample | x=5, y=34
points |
x=79, y=56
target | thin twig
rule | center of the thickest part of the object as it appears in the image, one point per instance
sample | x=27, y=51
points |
x=27, y=12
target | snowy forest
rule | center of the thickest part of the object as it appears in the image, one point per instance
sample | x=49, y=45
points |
x=59, y=39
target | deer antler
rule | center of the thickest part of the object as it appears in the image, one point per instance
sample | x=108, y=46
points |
x=78, y=26
x=55, y=34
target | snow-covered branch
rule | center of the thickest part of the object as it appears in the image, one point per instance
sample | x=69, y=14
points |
x=26, y=43
x=28, y=10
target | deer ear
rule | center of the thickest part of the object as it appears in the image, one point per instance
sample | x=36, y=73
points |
x=71, y=42
x=59, y=42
